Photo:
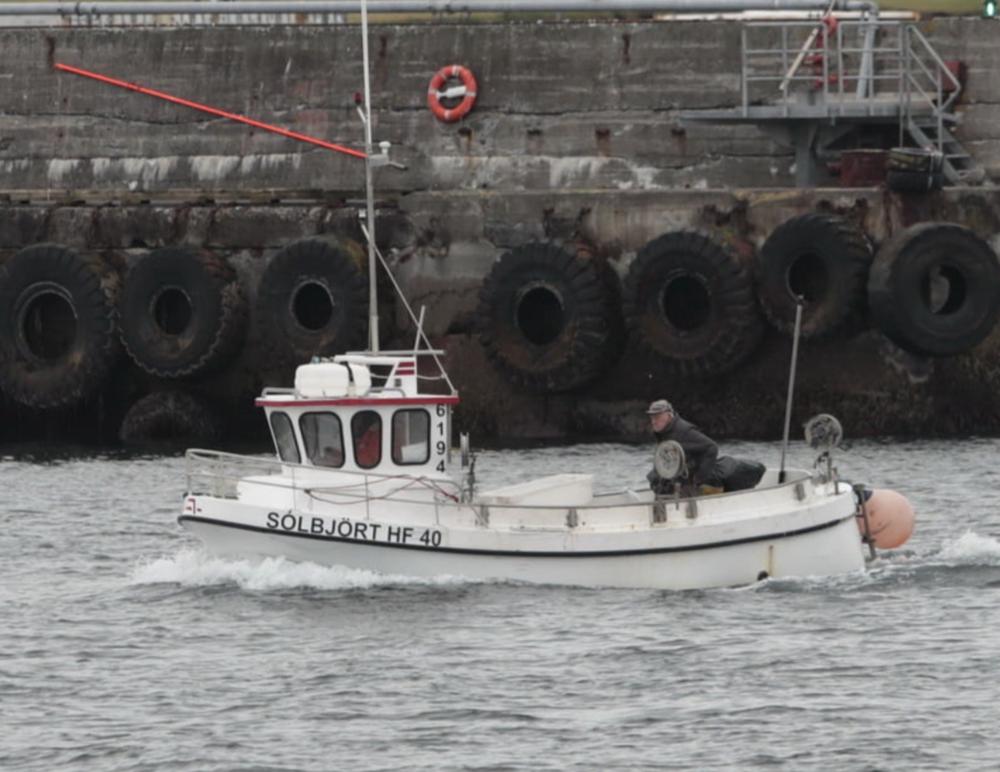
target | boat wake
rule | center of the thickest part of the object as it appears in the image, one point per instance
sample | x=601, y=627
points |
x=196, y=568
x=968, y=559
x=970, y=549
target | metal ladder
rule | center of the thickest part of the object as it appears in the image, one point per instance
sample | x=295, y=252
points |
x=929, y=81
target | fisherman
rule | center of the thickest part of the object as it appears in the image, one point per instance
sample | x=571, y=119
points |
x=707, y=471
x=700, y=453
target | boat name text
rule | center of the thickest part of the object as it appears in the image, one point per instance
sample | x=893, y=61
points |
x=354, y=530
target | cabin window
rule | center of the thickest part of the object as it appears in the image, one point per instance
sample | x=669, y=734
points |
x=366, y=432
x=284, y=438
x=411, y=440
x=323, y=439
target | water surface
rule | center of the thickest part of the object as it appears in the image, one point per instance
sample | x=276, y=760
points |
x=127, y=648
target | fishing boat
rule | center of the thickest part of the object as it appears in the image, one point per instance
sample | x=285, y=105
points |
x=364, y=477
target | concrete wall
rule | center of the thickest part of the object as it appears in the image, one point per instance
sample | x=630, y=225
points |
x=443, y=245
x=574, y=138
x=561, y=105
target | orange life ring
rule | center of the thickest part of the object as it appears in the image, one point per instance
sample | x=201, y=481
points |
x=467, y=91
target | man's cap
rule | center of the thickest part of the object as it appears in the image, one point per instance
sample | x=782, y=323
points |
x=660, y=406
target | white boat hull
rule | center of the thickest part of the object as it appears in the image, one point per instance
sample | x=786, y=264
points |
x=817, y=539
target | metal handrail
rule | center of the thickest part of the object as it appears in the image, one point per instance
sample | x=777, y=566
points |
x=937, y=101
x=942, y=67
x=195, y=454
x=922, y=79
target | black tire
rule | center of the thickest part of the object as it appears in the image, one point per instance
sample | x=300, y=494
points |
x=57, y=326
x=689, y=300
x=934, y=289
x=313, y=300
x=908, y=181
x=170, y=417
x=182, y=312
x=549, y=320
x=823, y=259
x=913, y=159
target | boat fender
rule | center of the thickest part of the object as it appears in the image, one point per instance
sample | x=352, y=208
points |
x=934, y=289
x=690, y=301
x=466, y=92
x=890, y=518
x=907, y=181
x=182, y=312
x=312, y=299
x=824, y=260
x=914, y=170
x=58, y=341
x=549, y=319
x=170, y=417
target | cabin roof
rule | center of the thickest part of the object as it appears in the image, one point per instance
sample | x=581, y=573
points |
x=289, y=399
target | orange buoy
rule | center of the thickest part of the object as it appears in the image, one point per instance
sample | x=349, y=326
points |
x=890, y=518
x=466, y=91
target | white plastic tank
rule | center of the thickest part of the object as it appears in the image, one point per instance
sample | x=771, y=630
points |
x=331, y=379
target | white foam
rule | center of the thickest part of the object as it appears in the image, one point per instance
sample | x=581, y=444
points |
x=971, y=549
x=849, y=580
x=195, y=568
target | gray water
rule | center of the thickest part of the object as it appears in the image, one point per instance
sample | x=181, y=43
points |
x=126, y=648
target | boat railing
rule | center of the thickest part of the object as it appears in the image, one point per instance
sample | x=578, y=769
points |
x=218, y=474
x=273, y=391
x=214, y=473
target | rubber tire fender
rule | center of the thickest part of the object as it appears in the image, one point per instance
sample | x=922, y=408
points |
x=908, y=181
x=45, y=362
x=913, y=159
x=547, y=319
x=170, y=417
x=825, y=259
x=312, y=299
x=691, y=301
x=918, y=263
x=199, y=285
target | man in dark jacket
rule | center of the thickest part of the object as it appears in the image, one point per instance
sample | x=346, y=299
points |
x=699, y=451
x=705, y=467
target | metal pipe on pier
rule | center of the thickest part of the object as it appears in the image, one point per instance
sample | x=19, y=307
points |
x=209, y=7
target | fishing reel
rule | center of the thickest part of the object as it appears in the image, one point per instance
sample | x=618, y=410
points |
x=669, y=478
x=671, y=467
x=824, y=434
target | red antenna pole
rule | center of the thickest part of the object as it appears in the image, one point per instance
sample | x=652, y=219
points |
x=210, y=110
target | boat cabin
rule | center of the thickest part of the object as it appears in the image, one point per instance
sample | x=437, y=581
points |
x=361, y=413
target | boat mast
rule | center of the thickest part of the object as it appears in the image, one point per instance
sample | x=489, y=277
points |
x=799, y=302
x=369, y=227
